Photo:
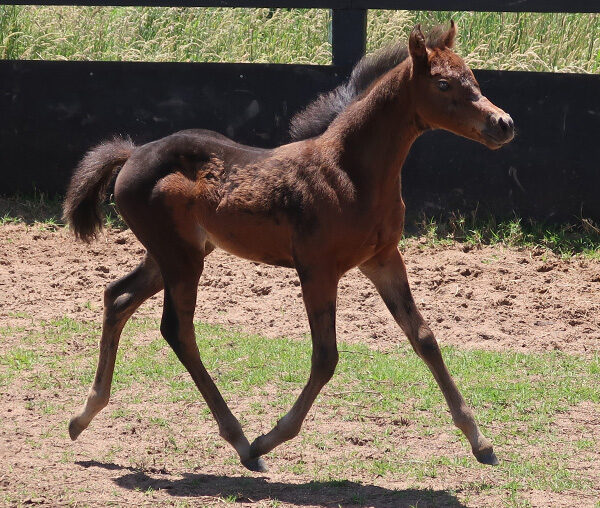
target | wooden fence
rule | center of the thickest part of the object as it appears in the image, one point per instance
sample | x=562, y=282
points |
x=53, y=112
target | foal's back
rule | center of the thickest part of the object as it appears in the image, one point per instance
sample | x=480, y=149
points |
x=249, y=201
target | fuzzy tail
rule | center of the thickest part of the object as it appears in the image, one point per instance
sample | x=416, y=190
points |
x=87, y=189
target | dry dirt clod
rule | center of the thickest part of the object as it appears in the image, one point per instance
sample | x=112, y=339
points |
x=546, y=267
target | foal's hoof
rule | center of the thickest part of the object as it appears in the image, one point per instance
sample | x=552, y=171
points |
x=487, y=457
x=75, y=428
x=257, y=464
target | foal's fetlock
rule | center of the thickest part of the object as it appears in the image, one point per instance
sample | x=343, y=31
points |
x=93, y=405
x=255, y=464
x=251, y=459
x=256, y=450
x=234, y=435
x=485, y=454
x=76, y=427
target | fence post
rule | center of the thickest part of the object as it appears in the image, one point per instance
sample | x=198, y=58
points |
x=348, y=35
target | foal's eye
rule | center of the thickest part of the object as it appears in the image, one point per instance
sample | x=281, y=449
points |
x=443, y=85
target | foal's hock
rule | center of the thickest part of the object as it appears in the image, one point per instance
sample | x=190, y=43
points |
x=323, y=204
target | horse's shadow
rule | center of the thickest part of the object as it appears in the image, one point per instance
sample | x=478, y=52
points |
x=243, y=489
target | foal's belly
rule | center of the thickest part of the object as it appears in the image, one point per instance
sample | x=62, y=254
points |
x=258, y=240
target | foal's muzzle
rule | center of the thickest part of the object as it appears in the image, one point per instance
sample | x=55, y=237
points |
x=500, y=129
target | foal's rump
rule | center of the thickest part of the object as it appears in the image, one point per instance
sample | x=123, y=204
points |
x=187, y=152
x=194, y=186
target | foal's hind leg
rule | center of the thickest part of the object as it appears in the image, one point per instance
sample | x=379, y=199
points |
x=181, y=270
x=121, y=299
x=388, y=273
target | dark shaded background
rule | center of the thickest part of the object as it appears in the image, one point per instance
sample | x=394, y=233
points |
x=52, y=112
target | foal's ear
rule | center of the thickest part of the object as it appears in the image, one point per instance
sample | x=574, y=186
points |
x=450, y=35
x=418, y=47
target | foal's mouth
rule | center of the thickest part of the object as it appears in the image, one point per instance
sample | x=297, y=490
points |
x=495, y=142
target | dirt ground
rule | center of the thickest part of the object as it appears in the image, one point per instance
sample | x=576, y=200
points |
x=492, y=298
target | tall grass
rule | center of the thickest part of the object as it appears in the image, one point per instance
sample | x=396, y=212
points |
x=510, y=41
x=524, y=41
x=164, y=34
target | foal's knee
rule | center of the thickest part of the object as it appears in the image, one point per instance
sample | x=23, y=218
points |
x=169, y=328
x=115, y=300
x=111, y=293
x=425, y=343
x=325, y=359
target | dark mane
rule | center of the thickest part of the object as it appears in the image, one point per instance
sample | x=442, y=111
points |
x=318, y=115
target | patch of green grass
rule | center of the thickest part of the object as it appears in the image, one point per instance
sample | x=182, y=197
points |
x=20, y=315
x=112, y=219
x=34, y=208
x=112, y=452
x=121, y=413
x=534, y=387
x=585, y=444
x=7, y=331
x=48, y=408
x=582, y=237
x=517, y=398
x=159, y=422
x=6, y=218
x=19, y=359
x=44, y=212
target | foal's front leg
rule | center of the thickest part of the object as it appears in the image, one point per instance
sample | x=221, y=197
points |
x=319, y=290
x=388, y=273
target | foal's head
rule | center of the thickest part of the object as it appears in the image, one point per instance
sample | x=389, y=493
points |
x=447, y=95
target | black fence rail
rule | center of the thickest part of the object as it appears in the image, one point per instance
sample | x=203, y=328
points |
x=52, y=112
x=420, y=5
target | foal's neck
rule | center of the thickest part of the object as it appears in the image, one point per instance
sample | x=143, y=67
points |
x=375, y=133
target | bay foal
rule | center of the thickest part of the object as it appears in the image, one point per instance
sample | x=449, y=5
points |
x=322, y=205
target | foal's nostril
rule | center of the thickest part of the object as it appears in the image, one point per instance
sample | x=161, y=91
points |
x=506, y=125
x=500, y=128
